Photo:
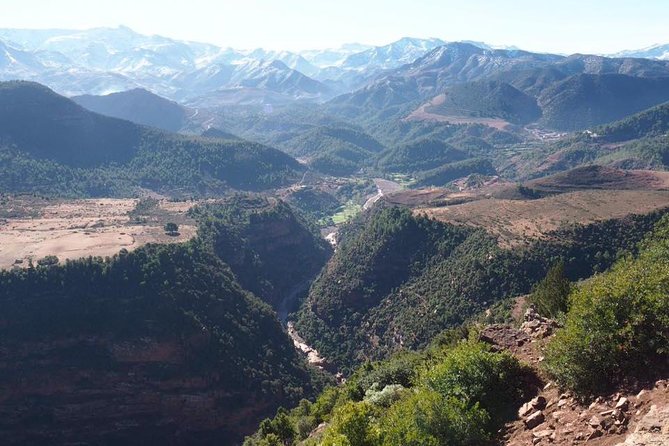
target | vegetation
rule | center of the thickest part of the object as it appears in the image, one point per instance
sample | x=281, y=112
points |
x=617, y=327
x=550, y=295
x=647, y=124
x=455, y=393
x=419, y=156
x=489, y=99
x=585, y=100
x=171, y=228
x=270, y=248
x=206, y=327
x=397, y=280
x=79, y=153
x=450, y=172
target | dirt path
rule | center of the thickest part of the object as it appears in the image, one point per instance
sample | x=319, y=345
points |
x=557, y=418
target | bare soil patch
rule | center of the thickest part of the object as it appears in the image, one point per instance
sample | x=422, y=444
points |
x=423, y=113
x=31, y=229
x=516, y=222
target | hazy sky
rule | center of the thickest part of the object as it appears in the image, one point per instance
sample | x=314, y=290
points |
x=566, y=26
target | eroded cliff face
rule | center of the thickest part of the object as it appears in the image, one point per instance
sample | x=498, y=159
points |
x=158, y=346
x=267, y=245
x=98, y=390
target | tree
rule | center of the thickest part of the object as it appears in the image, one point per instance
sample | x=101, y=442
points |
x=171, y=229
x=550, y=296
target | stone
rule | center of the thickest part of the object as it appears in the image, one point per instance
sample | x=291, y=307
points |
x=535, y=419
x=618, y=415
x=594, y=421
x=538, y=402
x=641, y=394
x=525, y=410
x=607, y=423
x=544, y=433
x=623, y=403
x=594, y=434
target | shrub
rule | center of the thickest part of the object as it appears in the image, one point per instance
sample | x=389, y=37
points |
x=476, y=376
x=617, y=327
x=551, y=294
x=171, y=228
x=427, y=418
x=351, y=425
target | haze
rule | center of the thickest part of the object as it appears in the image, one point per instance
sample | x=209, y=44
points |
x=569, y=26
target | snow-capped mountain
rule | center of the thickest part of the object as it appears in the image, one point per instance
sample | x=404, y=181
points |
x=333, y=56
x=107, y=60
x=660, y=52
x=398, y=53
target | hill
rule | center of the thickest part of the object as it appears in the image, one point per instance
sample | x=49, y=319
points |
x=139, y=106
x=94, y=155
x=268, y=246
x=398, y=279
x=488, y=99
x=447, y=173
x=600, y=177
x=418, y=156
x=334, y=150
x=587, y=100
x=159, y=344
x=649, y=123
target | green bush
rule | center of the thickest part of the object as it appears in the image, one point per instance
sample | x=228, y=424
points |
x=617, y=327
x=352, y=425
x=551, y=294
x=473, y=374
x=427, y=418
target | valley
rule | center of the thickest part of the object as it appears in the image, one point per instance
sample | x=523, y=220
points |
x=419, y=243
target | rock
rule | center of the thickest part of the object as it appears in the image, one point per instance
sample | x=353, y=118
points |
x=544, y=433
x=618, y=415
x=535, y=419
x=607, y=423
x=525, y=409
x=538, y=402
x=606, y=413
x=595, y=421
x=623, y=403
x=641, y=394
x=594, y=434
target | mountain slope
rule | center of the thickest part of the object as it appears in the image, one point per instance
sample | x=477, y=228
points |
x=588, y=100
x=139, y=106
x=47, y=128
x=488, y=99
x=431, y=74
x=398, y=279
x=160, y=344
x=421, y=155
x=648, y=123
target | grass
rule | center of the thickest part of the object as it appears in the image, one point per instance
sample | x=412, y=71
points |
x=405, y=181
x=343, y=214
x=346, y=212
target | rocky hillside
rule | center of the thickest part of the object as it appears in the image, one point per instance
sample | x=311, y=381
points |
x=398, y=279
x=161, y=344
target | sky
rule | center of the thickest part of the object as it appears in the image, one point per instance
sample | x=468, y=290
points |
x=558, y=26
